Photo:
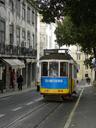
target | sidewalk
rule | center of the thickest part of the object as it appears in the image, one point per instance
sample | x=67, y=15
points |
x=16, y=91
x=85, y=114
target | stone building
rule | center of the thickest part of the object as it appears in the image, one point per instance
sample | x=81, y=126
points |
x=46, y=36
x=83, y=70
x=18, y=41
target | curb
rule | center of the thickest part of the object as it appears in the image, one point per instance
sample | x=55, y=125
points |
x=6, y=94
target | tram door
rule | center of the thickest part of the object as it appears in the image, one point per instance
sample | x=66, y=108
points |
x=70, y=77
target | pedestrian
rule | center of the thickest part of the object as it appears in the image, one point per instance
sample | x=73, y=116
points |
x=20, y=82
x=3, y=81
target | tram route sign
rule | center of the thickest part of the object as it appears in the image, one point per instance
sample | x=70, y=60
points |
x=54, y=82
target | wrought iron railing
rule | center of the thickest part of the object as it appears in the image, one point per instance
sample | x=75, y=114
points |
x=17, y=51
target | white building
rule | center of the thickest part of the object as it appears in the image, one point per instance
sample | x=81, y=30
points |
x=46, y=37
x=18, y=40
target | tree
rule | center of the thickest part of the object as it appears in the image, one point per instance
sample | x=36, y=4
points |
x=68, y=33
x=79, y=25
x=51, y=9
x=81, y=11
x=85, y=36
x=65, y=32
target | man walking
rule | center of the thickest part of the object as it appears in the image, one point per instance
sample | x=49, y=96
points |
x=20, y=82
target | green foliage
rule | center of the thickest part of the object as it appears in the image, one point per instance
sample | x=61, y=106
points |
x=81, y=11
x=65, y=32
x=51, y=9
x=88, y=62
x=79, y=24
x=68, y=33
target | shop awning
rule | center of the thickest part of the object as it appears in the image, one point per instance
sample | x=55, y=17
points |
x=14, y=63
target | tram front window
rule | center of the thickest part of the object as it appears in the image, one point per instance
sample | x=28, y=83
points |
x=63, y=69
x=44, y=69
x=53, y=69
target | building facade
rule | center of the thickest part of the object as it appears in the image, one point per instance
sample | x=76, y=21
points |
x=46, y=36
x=18, y=42
x=80, y=57
x=83, y=70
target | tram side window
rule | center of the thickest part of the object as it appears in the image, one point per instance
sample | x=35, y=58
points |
x=63, y=69
x=44, y=69
x=53, y=69
x=70, y=70
x=75, y=72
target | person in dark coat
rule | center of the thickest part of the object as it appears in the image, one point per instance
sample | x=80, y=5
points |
x=20, y=82
x=3, y=81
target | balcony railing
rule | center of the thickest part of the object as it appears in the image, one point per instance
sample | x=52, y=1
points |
x=17, y=51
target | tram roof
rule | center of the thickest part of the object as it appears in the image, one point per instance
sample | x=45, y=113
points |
x=58, y=56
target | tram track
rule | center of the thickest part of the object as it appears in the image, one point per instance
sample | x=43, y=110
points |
x=46, y=117
x=14, y=124
x=22, y=117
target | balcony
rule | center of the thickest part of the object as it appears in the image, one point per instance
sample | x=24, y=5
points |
x=11, y=50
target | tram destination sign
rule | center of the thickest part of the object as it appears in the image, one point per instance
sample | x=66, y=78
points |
x=49, y=51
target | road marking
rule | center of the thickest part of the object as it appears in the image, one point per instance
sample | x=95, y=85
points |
x=16, y=109
x=68, y=122
x=39, y=99
x=1, y=115
x=29, y=103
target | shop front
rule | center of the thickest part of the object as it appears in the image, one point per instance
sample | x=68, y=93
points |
x=11, y=69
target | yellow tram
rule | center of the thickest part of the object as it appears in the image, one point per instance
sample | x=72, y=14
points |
x=58, y=73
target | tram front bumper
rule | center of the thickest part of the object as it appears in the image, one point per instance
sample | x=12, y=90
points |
x=54, y=91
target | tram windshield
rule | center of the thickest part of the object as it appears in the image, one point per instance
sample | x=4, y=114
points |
x=53, y=69
x=44, y=69
x=63, y=69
